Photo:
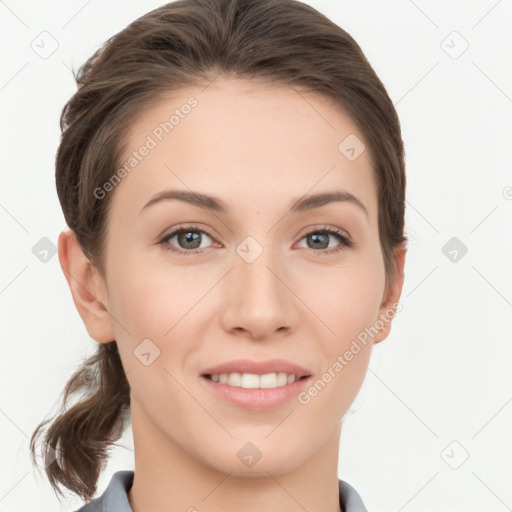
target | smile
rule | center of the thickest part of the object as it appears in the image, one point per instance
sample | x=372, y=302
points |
x=248, y=391
x=252, y=380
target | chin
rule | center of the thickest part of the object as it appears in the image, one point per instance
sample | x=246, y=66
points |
x=248, y=461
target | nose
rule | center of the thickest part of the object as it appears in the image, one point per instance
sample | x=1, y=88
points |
x=258, y=299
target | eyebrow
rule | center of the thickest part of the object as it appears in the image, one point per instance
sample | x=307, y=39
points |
x=217, y=205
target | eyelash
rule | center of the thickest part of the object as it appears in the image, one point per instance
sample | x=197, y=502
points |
x=345, y=242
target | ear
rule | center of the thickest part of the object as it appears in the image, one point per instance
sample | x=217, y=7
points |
x=87, y=288
x=387, y=308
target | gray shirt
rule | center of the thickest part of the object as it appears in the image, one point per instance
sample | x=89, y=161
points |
x=115, y=497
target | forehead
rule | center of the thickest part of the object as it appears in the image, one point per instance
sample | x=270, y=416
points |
x=245, y=141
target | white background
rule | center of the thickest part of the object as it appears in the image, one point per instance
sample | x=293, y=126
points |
x=443, y=375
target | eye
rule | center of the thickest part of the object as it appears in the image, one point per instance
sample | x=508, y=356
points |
x=189, y=240
x=319, y=240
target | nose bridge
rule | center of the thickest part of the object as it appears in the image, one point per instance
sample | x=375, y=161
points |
x=262, y=272
x=260, y=301
x=256, y=268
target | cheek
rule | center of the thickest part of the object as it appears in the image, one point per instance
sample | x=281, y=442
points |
x=348, y=309
x=148, y=302
x=332, y=391
x=157, y=316
x=346, y=300
x=153, y=309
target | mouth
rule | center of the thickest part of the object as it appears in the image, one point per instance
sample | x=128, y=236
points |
x=256, y=385
x=254, y=392
x=254, y=381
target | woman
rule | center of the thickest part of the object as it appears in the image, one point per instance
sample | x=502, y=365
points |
x=232, y=174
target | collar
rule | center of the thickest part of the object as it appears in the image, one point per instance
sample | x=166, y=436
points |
x=115, y=496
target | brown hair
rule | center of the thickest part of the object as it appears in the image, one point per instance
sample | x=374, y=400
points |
x=191, y=42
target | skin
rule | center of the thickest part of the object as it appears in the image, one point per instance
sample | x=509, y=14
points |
x=257, y=147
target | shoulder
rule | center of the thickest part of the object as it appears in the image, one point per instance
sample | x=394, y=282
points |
x=350, y=501
x=115, y=496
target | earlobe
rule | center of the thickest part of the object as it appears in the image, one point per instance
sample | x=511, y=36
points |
x=387, y=309
x=87, y=288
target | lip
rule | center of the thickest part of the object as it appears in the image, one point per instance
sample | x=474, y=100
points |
x=258, y=367
x=256, y=399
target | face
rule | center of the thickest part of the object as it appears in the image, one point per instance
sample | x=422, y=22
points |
x=248, y=277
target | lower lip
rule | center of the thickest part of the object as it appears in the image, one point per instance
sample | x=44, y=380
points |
x=257, y=399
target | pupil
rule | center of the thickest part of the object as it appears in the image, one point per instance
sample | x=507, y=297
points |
x=190, y=236
x=318, y=237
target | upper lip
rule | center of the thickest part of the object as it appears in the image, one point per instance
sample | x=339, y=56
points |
x=257, y=367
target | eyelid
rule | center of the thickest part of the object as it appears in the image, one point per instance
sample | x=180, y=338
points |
x=314, y=228
x=164, y=238
x=346, y=241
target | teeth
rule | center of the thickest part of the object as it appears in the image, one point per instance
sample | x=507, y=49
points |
x=251, y=380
